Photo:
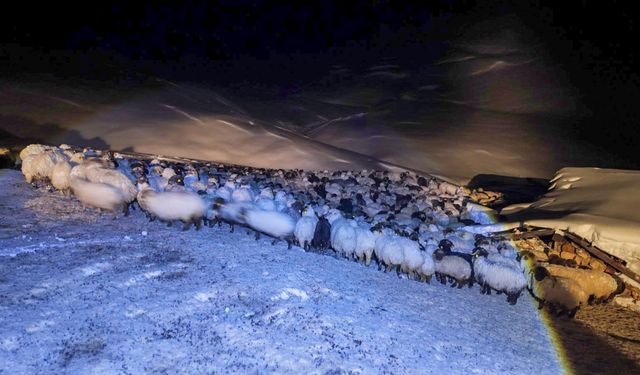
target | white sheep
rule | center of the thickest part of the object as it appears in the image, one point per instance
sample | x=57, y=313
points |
x=171, y=206
x=39, y=167
x=382, y=236
x=390, y=252
x=230, y=212
x=273, y=223
x=242, y=194
x=114, y=178
x=562, y=295
x=428, y=268
x=498, y=275
x=600, y=287
x=265, y=203
x=33, y=149
x=305, y=227
x=61, y=175
x=100, y=196
x=343, y=233
x=365, y=244
x=412, y=258
x=452, y=266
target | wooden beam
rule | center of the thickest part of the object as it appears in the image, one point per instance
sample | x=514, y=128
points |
x=533, y=233
x=608, y=259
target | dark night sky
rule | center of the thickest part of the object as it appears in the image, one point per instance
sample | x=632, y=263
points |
x=597, y=37
x=593, y=41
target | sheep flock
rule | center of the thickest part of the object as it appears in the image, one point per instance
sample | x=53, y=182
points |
x=407, y=223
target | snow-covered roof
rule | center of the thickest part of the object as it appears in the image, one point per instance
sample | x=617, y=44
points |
x=600, y=205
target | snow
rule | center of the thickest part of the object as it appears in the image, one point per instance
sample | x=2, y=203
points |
x=600, y=205
x=485, y=102
x=207, y=301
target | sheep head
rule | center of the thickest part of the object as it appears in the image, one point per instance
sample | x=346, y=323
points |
x=446, y=245
x=480, y=252
x=540, y=273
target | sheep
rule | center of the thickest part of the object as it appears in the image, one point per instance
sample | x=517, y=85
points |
x=428, y=268
x=600, y=287
x=389, y=252
x=60, y=177
x=365, y=243
x=305, y=227
x=530, y=258
x=265, y=203
x=378, y=248
x=242, y=194
x=273, y=223
x=39, y=167
x=98, y=195
x=322, y=235
x=116, y=179
x=446, y=245
x=143, y=184
x=498, y=275
x=452, y=266
x=562, y=295
x=412, y=259
x=343, y=234
x=33, y=149
x=343, y=237
x=170, y=206
x=229, y=212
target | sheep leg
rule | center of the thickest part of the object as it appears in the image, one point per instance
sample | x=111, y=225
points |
x=428, y=279
x=367, y=259
x=125, y=209
x=232, y=228
x=388, y=268
x=454, y=283
x=289, y=244
x=398, y=270
x=169, y=223
x=257, y=236
x=274, y=242
x=186, y=225
x=198, y=223
x=461, y=283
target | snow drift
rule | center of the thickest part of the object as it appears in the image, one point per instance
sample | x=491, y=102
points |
x=600, y=205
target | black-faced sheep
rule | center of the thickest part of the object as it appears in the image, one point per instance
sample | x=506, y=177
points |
x=498, y=273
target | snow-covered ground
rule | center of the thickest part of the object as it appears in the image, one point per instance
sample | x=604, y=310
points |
x=600, y=205
x=83, y=293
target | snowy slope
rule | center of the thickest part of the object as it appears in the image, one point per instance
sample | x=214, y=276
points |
x=487, y=101
x=600, y=205
x=83, y=293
